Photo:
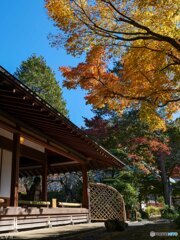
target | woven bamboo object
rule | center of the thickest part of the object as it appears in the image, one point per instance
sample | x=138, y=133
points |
x=106, y=203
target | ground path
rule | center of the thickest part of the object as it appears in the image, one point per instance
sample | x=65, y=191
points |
x=96, y=231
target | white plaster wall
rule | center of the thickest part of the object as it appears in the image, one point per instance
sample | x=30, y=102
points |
x=5, y=173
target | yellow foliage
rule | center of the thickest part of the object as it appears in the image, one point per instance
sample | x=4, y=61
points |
x=149, y=115
x=142, y=35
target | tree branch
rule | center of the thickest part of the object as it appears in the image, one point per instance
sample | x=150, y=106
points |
x=169, y=101
x=158, y=36
x=168, y=65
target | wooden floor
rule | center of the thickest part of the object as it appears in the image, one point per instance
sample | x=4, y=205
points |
x=17, y=218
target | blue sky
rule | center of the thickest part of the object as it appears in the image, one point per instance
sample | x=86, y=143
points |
x=24, y=27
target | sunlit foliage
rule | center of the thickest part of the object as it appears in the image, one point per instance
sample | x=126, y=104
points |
x=143, y=36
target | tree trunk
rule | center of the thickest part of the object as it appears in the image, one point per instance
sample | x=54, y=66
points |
x=155, y=199
x=164, y=179
x=140, y=202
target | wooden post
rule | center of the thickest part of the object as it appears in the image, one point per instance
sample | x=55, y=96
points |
x=44, y=180
x=15, y=170
x=54, y=203
x=85, y=202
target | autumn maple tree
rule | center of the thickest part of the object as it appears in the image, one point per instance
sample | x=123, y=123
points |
x=142, y=36
x=150, y=156
x=128, y=138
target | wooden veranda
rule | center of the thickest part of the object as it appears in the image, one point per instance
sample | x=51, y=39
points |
x=35, y=139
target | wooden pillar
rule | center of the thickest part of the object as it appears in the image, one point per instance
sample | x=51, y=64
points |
x=44, y=180
x=15, y=170
x=85, y=202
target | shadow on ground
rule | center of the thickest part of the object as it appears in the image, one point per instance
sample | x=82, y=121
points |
x=136, y=231
x=141, y=232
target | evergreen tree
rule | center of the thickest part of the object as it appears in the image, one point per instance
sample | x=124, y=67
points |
x=40, y=78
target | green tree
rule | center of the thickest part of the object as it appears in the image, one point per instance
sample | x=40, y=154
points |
x=144, y=151
x=40, y=78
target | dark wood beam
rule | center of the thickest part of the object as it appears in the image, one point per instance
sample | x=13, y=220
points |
x=64, y=164
x=44, y=179
x=70, y=153
x=32, y=153
x=85, y=201
x=74, y=147
x=39, y=156
x=25, y=151
x=15, y=170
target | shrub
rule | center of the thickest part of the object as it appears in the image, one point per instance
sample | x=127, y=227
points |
x=169, y=213
x=160, y=201
x=152, y=211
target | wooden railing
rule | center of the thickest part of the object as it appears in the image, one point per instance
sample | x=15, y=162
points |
x=65, y=204
x=14, y=219
x=34, y=203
